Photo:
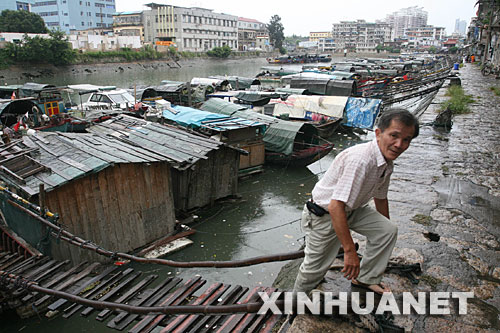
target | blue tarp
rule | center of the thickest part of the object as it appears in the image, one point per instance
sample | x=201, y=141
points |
x=194, y=118
x=362, y=112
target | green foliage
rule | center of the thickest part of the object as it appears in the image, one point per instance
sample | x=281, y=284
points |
x=276, y=29
x=453, y=49
x=220, y=52
x=433, y=49
x=282, y=50
x=495, y=90
x=147, y=52
x=458, y=102
x=21, y=21
x=54, y=50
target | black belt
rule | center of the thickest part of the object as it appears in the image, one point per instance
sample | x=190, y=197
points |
x=315, y=208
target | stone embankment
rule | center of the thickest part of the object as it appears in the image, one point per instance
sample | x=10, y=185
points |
x=445, y=197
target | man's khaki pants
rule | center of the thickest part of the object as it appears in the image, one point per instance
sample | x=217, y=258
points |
x=322, y=246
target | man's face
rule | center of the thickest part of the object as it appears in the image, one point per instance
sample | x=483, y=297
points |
x=395, y=139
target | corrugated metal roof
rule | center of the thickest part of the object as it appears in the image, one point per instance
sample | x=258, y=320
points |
x=68, y=156
x=178, y=146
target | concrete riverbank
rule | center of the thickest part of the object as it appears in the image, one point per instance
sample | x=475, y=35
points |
x=445, y=198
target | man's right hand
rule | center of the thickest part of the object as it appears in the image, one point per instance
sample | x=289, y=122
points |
x=351, y=265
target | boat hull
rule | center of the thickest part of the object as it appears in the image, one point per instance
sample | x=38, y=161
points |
x=299, y=158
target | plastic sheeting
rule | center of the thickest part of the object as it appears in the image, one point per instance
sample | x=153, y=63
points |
x=362, y=112
x=298, y=106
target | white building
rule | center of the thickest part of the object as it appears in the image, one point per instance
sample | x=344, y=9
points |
x=360, y=36
x=190, y=29
x=89, y=42
x=406, y=18
x=248, y=30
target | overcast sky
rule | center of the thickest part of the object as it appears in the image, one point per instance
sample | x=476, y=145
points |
x=302, y=17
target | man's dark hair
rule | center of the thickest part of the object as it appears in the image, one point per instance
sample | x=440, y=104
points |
x=401, y=115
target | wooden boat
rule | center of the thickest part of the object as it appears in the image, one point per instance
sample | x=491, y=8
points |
x=299, y=158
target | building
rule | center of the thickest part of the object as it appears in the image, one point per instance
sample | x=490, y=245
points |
x=190, y=29
x=406, y=18
x=129, y=24
x=360, y=36
x=460, y=27
x=317, y=36
x=263, y=43
x=90, y=41
x=16, y=5
x=248, y=30
x=425, y=37
x=324, y=39
x=75, y=14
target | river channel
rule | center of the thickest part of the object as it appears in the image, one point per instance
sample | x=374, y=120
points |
x=263, y=222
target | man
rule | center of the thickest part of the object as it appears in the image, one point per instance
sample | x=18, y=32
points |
x=356, y=175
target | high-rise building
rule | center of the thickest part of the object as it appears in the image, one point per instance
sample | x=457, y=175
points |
x=75, y=14
x=406, y=18
x=16, y=4
x=460, y=26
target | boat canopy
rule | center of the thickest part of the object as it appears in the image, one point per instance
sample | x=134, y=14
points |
x=257, y=98
x=11, y=110
x=362, y=112
x=238, y=82
x=280, y=136
x=298, y=106
x=326, y=86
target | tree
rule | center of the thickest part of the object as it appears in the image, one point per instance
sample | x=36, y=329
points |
x=21, y=21
x=220, y=52
x=275, y=29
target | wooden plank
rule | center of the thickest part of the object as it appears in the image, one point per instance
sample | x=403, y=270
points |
x=258, y=320
x=94, y=294
x=207, y=323
x=112, y=228
x=55, y=281
x=188, y=320
x=90, y=284
x=112, y=293
x=124, y=319
x=198, y=301
x=232, y=322
x=125, y=232
x=69, y=282
x=39, y=270
x=126, y=296
x=149, y=322
x=14, y=260
x=37, y=261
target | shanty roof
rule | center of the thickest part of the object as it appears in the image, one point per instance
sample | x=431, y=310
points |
x=55, y=158
x=179, y=147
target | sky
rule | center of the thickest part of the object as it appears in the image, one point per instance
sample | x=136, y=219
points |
x=319, y=15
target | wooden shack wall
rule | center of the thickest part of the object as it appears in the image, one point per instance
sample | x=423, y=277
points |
x=121, y=208
x=206, y=181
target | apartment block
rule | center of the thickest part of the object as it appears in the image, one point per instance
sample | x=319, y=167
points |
x=359, y=36
x=316, y=36
x=129, y=24
x=190, y=29
x=248, y=30
x=75, y=14
x=16, y=5
x=406, y=18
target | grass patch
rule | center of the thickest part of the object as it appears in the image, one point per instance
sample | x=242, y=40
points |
x=430, y=280
x=458, y=102
x=495, y=90
x=422, y=219
x=445, y=169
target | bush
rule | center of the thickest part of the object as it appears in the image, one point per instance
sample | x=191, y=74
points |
x=458, y=102
x=220, y=52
